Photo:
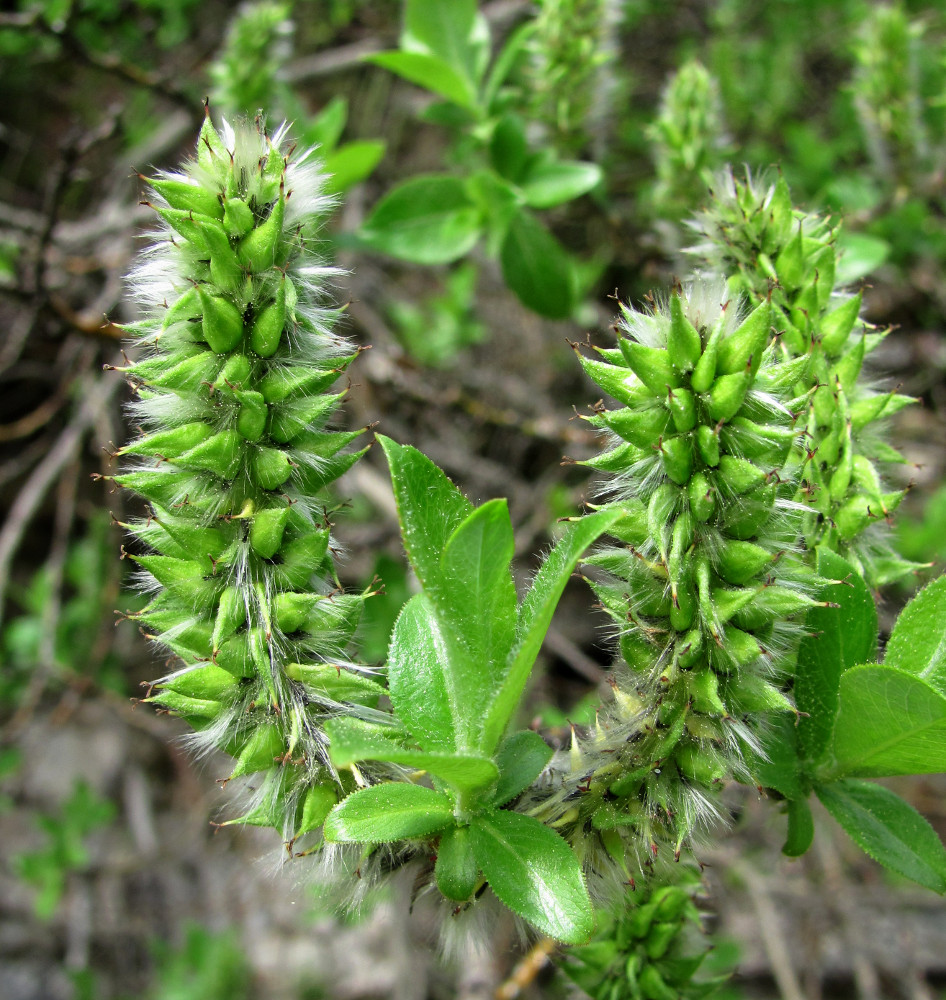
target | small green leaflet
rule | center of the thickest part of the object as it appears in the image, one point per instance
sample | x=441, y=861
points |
x=552, y=182
x=427, y=220
x=535, y=616
x=536, y=267
x=430, y=72
x=890, y=722
x=354, y=740
x=522, y=757
x=535, y=873
x=391, y=811
x=890, y=830
x=917, y=644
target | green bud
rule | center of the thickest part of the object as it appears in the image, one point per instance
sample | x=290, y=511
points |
x=456, y=870
x=231, y=614
x=270, y=467
x=268, y=326
x=251, y=421
x=700, y=765
x=836, y=327
x=741, y=647
x=739, y=562
x=682, y=404
x=652, y=365
x=638, y=427
x=683, y=341
x=259, y=752
x=739, y=476
x=258, y=249
x=728, y=393
x=302, y=557
x=791, y=262
x=326, y=680
x=317, y=803
x=707, y=443
x=234, y=374
x=184, y=705
x=701, y=496
x=703, y=688
x=221, y=454
x=266, y=530
x=170, y=444
x=225, y=269
x=187, y=196
x=222, y=322
x=677, y=456
x=238, y=217
x=705, y=370
x=743, y=348
x=185, y=307
x=187, y=375
x=207, y=681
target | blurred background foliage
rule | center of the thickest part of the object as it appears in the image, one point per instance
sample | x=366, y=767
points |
x=568, y=143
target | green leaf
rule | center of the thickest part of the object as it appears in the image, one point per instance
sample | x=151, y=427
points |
x=417, y=664
x=918, y=641
x=351, y=164
x=890, y=830
x=445, y=28
x=535, y=873
x=801, y=828
x=838, y=638
x=889, y=722
x=429, y=507
x=508, y=149
x=327, y=127
x=535, y=615
x=522, y=757
x=551, y=183
x=429, y=72
x=427, y=220
x=475, y=603
x=391, y=811
x=353, y=740
x=536, y=267
x=860, y=255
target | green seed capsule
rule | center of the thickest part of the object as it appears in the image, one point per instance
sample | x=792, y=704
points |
x=743, y=348
x=225, y=269
x=266, y=531
x=206, y=681
x=291, y=610
x=728, y=393
x=702, y=498
x=751, y=693
x=683, y=340
x=187, y=375
x=185, y=307
x=221, y=454
x=186, y=196
x=849, y=366
x=234, y=374
x=747, y=519
x=705, y=370
x=238, y=217
x=251, y=420
x=302, y=557
x=739, y=562
x=456, y=870
x=637, y=427
x=259, y=752
x=270, y=467
x=682, y=405
x=739, y=476
x=703, y=689
x=231, y=615
x=854, y=516
x=683, y=607
x=726, y=603
x=836, y=327
x=191, y=225
x=791, y=263
x=222, y=322
x=317, y=803
x=326, y=680
x=699, y=764
x=652, y=365
x=258, y=250
x=281, y=384
x=194, y=537
x=770, y=605
x=677, y=456
x=170, y=444
x=268, y=326
x=707, y=443
x=183, y=705
x=740, y=647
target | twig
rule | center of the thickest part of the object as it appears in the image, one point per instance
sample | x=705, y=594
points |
x=773, y=937
x=95, y=398
x=583, y=665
